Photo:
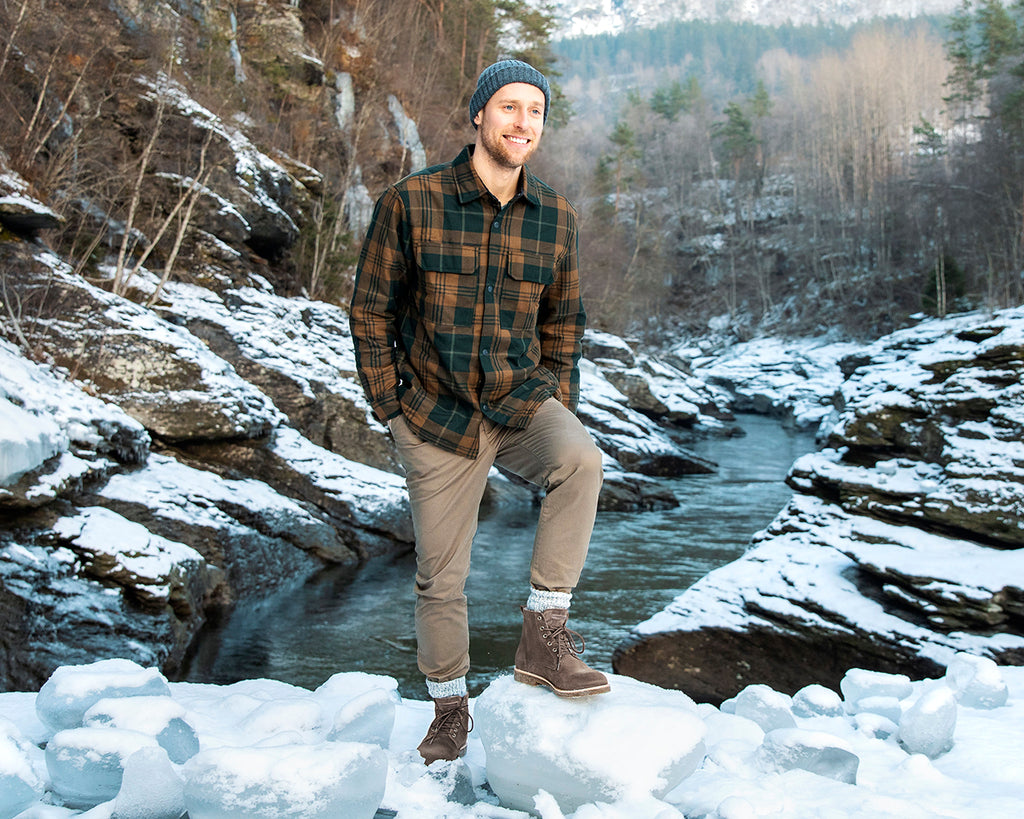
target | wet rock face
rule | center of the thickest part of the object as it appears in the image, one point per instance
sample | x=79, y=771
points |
x=904, y=544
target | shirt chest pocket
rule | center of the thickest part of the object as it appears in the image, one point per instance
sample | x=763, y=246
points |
x=447, y=292
x=526, y=277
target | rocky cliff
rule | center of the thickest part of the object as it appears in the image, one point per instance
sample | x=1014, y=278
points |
x=903, y=544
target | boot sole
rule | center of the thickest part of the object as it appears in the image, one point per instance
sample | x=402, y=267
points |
x=533, y=679
x=462, y=753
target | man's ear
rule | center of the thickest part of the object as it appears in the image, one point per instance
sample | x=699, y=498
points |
x=477, y=118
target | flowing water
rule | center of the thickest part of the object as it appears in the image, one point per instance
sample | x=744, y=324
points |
x=638, y=562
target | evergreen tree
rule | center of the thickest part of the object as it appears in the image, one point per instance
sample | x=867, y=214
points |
x=736, y=137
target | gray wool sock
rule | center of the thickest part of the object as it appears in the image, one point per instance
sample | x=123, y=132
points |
x=450, y=688
x=541, y=599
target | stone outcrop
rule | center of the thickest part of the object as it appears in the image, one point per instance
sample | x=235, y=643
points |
x=903, y=545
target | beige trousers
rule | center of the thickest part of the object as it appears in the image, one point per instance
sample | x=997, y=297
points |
x=554, y=452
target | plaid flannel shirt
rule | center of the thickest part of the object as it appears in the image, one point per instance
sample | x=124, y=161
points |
x=463, y=309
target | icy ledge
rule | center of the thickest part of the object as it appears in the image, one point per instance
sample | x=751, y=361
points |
x=114, y=740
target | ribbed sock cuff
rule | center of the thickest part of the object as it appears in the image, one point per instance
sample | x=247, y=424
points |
x=540, y=600
x=450, y=688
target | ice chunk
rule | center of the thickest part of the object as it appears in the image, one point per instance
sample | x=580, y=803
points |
x=735, y=807
x=414, y=790
x=72, y=689
x=888, y=707
x=817, y=701
x=86, y=765
x=874, y=725
x=635, y=741
x=977, y=682
x=369, y=717
x=323, y=781
x=300, y=716
x=150, y=788
x=43, y=811
x=767, y=707
x=787, y=749
x=20, y=786
x=159, y=717
x=927, y=726
x=859, y=683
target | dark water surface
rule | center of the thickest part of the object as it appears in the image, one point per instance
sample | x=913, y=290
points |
x=638, y=562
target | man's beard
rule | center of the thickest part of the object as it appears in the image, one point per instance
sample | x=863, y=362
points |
x=493, y=142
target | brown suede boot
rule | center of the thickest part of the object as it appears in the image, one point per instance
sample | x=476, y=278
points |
x=446, y=737
x=548, y=654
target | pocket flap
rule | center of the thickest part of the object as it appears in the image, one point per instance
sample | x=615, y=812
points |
x=445, y=257
x=535, y=267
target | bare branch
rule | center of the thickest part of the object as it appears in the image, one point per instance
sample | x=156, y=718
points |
x=14, y=33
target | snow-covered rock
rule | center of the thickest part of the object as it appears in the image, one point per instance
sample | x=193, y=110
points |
x=636, y=740
x=762, y=705
x=150, y=788
x=976, y=681
x=322, y=781
x=159, y=717
x=928, y=726
x=859, y=685
x=72, y=690
x=901, y=547
x=42, y=416
x=20, y=784
x=816, y=700
x=788, y=749
x=86, y=765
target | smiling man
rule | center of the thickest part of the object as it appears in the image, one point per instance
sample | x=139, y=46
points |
x=467, y=323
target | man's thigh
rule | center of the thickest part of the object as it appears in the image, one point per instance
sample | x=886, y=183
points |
x=554, y=439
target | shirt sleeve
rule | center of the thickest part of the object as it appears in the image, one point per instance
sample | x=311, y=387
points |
x=380, y=275
x=561, y=321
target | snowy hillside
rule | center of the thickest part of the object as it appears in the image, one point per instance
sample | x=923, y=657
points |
x=588, y=17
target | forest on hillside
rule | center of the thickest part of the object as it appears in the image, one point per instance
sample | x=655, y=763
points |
x=799, y=179
x=784, y=180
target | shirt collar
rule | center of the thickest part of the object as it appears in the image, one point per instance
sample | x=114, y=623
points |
x=471, y=188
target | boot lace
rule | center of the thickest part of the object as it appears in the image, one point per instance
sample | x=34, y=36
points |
x=449, y=722
x=562, y=640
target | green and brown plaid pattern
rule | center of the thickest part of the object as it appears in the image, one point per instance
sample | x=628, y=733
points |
x=463, y=309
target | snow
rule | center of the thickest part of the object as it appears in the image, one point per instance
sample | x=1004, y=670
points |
x=269, y=749
x=577, y=18
x=43, y=415
x=26, y=441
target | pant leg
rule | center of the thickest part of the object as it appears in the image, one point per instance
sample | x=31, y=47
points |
x=556, y=453
x=445, y=491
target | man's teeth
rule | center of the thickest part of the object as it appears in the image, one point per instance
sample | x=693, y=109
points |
x=518, y=140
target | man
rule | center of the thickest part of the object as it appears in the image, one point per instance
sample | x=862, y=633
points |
x=467, y=323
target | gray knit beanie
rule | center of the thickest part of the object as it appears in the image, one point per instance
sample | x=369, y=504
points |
x=502, y=73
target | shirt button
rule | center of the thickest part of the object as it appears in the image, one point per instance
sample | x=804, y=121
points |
x=490, y=288
x=483, y=352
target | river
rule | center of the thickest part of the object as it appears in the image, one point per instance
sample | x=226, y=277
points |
x=638, y=562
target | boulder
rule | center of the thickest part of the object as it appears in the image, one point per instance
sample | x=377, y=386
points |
x=902, y=547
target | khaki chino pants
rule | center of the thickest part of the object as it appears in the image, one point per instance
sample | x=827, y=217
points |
x=554, y=452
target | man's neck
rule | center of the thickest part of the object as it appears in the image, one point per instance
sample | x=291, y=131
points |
x=500, y=181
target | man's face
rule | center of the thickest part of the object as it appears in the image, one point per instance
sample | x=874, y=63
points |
x=510, y=124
